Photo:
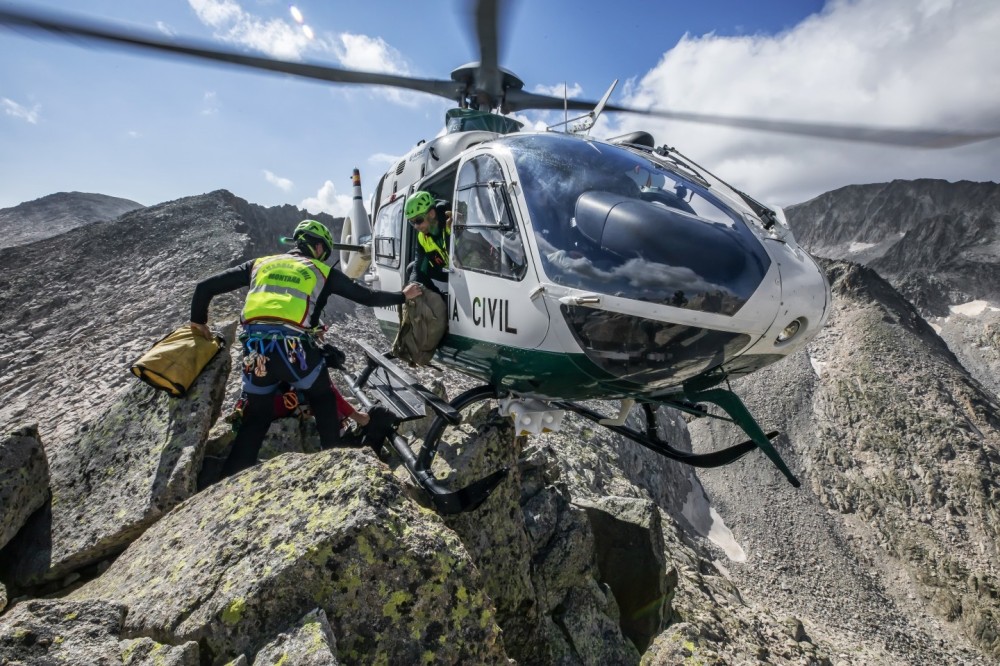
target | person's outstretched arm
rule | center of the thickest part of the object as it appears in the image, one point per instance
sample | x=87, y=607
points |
x=340, y=284
x=220, y=283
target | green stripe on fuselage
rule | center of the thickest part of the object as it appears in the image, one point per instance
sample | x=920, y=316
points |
x=546, y=374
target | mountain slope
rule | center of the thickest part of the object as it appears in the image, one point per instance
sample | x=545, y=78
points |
x=95, y=298
x=894, y=544
x=76, y=309
x=885, y=556
x=937, y=242
x=56, y=213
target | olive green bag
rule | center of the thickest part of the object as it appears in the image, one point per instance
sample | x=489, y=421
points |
x=423, y=321
x=175, y=362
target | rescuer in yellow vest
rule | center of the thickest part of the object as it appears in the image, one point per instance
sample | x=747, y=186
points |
x=281, y=331
x=433, y=226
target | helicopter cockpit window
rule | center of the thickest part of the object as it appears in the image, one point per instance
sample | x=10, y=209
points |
x=389, y=234
x=616, y=222
x=485, y=238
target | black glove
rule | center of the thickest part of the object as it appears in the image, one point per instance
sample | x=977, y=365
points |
x=333, y=356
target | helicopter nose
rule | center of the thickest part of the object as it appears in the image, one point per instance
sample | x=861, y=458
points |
x=802, y=311
x=805, y=302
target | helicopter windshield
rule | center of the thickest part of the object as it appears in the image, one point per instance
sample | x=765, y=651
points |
x=611, y=221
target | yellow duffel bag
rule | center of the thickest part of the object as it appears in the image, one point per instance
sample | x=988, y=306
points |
x=176, y=361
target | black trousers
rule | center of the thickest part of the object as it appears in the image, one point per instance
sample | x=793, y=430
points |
x=259, y=410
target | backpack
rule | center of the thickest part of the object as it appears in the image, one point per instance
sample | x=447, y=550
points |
x=176, y=360
x=423, y=321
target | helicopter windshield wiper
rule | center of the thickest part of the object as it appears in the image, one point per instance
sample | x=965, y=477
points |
x=678, y=167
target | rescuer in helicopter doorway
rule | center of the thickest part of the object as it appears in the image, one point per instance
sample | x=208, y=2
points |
x=282, y=334
x=432, y=221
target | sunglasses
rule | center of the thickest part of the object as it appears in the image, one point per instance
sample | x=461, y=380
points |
x=417, y=220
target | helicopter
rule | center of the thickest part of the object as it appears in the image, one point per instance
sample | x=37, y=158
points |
x=580, y=269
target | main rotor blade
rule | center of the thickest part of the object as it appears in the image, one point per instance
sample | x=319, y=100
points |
x=519, y=100
x=69, y=27
x=486, y=17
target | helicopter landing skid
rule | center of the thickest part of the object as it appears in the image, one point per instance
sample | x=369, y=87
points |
x=727, y=400
x=408, y=399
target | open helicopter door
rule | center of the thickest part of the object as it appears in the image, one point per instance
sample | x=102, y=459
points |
x=489, y=305
x=390, y=261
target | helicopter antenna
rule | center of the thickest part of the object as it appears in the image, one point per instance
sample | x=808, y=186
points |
x=591, y=117
x=588, y=119
x=565, y=103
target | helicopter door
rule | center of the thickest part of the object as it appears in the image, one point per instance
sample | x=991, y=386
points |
x=488, y=290
x=388, y=258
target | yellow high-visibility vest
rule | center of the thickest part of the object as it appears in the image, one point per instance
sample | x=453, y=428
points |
x=284, y=288
x=430, y=245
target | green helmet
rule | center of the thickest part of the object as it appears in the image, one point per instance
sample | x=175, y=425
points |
x=418, y=204
x=312, y=231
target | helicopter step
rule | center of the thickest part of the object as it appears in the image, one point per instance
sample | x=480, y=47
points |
x=398, y=390
x=408, y=399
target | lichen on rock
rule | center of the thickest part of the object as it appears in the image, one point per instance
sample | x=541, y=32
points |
x=251, y=555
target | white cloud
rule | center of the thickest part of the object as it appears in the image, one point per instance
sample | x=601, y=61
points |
x=891, y=63
x=133, y=134
x=231, y=23
x=328, y=201
x=210, y=103
x=289, y=40
x=383, y=159
x=374, y=54
x=12, y=108
x=533, y=121
x=560, y=90
x=369, y=53
x=217, y=12
x=283, y=184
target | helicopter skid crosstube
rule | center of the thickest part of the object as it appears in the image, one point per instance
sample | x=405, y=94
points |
x=406, y=398
x=727, y=400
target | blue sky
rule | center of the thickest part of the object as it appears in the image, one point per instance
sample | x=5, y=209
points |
x=151, y=129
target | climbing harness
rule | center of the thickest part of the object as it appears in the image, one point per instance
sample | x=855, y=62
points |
x=276, y=343
x=259, y=345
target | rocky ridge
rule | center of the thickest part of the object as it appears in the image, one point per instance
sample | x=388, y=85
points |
x=57, y=213
x=900, y=448
x=109, y=291
x=333, y=553
x=937, y=242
